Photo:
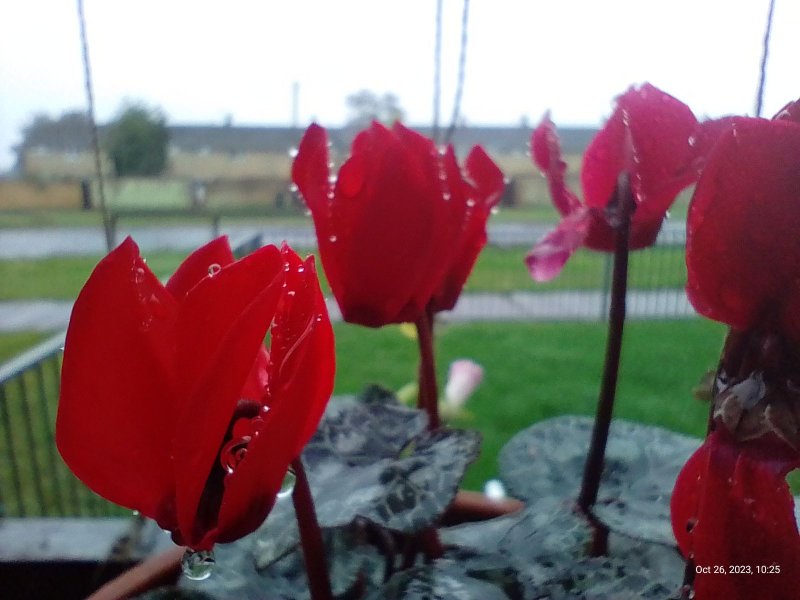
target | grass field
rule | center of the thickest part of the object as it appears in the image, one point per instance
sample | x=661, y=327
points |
x=533, y=371
x=497, y=270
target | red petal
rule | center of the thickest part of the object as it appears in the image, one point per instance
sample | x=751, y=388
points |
x=743, y=251
x=790, y=112
x=546, y=260
x=661, y=156
x=302, y=382
x=744, y=516
x=197, y=266
x=311, y=174
x=469, y=236
x=386, y=231
x=221, y=328
x=546, y=151
x=117, y=409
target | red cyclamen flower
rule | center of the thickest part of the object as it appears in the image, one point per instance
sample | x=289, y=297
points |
x=654, y=139
x=171, y=405
x=731, y=505
x=401, y=227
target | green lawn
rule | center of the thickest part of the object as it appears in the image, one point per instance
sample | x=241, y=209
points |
x=539, y=370
x=497, y=270
x=533, y=371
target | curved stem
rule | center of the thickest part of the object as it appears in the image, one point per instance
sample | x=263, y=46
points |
x=593, y=468
x=428, y=391
x=319, y=582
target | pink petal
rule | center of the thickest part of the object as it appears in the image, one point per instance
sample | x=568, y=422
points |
x=546, y=151
x=551, y=253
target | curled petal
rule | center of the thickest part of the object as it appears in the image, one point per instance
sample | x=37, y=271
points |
x=551, y=253
x=546, y=151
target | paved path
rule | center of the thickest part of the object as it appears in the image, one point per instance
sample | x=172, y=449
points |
x=39, y=243
x=52, y=315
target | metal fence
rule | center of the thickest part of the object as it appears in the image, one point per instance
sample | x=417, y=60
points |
x=34, y=481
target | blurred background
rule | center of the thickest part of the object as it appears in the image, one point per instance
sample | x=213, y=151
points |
x=198, y=106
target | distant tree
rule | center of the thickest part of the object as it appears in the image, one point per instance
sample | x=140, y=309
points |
x=367, y=106
x=70, y=132
x=136, y=141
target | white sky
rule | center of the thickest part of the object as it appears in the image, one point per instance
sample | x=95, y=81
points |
x=200, y=60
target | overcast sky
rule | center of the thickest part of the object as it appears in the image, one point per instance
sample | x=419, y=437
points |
x=201, y=60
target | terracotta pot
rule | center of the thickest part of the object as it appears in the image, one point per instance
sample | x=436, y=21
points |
x=165, y=568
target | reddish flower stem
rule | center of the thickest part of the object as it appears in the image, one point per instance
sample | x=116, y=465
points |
x=595, y=458
x=428, y=399
x=319, y=582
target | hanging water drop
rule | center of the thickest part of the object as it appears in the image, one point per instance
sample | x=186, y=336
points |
x=292, y=152
x=213, y=269
x=293, y=188
x=494, y=210
x=287, y=487
x=332, y=179
x=197, y=565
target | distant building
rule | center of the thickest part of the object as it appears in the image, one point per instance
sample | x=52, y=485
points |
x=227, y=152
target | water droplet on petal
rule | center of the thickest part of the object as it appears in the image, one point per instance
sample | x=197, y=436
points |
x=292, y=152
x=307, y=212
x=332, y=239
x=332, y=179
x=446, y=195
x=287, y=487
x=197, y=565
x=138, y=275
x=213, y=269
x=293, y=188
x=494, y=210
x=301, y=269
x=470, y=202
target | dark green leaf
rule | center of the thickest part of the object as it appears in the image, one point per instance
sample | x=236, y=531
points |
x=642, y=463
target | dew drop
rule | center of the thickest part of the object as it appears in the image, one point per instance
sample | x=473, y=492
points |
x=332, y=239
x=197, y=565
x=138, y=275
x=293, y=188
x=692, y=140
x=331, y=195
x=301, y=269
x=292, y=152
x=287, y=487
x=307, y=212
x=213, y=269
x=494, y=210
x=446, y=195
x=471, y=202
x=332, y=179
